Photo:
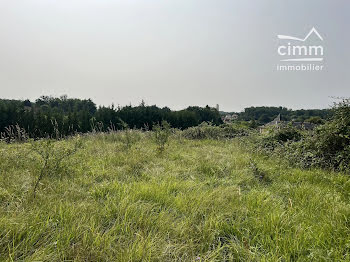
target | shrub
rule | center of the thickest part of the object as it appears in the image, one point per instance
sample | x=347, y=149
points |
x=161, y=135
x=51, y=155
x=274, y=137
x=208, y=131
x=127, y=136
x=329, y=145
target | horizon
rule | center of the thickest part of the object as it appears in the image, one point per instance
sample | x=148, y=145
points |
x=178, y=130
x=174, y=54
x=153, y=104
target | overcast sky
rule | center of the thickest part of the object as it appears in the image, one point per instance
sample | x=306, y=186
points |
x=172, y=53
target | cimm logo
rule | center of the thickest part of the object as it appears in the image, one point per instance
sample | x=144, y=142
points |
x=294, y=49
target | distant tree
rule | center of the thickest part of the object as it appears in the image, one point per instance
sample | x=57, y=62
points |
x=315, y=120
x=73, y=115
x=263, y=119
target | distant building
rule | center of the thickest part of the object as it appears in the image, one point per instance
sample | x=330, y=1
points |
x=278, y=123
x=229, y=118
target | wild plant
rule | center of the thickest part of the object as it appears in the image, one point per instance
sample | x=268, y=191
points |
x=161, y=135
x=96, y=127
x=327, y=146
x=56, y=131
x=51, y=156
x=127, y=138
x=14, y=133
x=206, y=130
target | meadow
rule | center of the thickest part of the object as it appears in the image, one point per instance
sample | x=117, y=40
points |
x=117, y=197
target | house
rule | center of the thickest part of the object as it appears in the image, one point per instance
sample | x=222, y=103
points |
x=229, y=118
x=278, y=123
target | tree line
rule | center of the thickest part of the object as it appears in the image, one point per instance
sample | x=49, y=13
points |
x=49, y=114
x=265, y=114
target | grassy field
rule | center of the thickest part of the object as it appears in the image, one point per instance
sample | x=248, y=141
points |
x=204, y=200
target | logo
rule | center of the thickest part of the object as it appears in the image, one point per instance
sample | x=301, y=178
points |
x=301, y=54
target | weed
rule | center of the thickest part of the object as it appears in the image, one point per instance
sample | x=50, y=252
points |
x=14, y=134
x=129, y=137
x=51, y=156
x=205, y=199
x=161, y=135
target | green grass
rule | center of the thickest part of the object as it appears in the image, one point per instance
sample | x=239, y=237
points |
x=197, y=201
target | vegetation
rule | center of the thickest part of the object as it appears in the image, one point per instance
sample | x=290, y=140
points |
x=201, y=200
x=42, y=118
x=328, y=146
x=51, y=156
x=209, y=131
x=265, y=114
x=215, y=193
x=161, y=135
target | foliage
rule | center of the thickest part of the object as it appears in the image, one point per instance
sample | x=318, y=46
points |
x=204, y=200
x=161, y=135
x=328, y=146
x=315, y=120
x=128, y=136
x=82, y=116
x=52, y=154
x=275, y=137
x=208, y=131
x=266, y=114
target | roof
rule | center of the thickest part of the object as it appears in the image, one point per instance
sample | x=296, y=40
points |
x=278, y=122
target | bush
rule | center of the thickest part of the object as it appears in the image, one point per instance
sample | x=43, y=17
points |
x=329, y=145
x=208, y=131
x=51, y=155
x=274, y=138
x=128, y=135
x=161, y=135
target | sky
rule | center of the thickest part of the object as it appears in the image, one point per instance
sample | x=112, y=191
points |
x=173, y=53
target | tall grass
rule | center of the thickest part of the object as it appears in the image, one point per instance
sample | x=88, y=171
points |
x=201, y=200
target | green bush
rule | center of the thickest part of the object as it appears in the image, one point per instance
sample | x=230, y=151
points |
x=129, y=136
x=51, y=155
x=161, y=135
x=208, y=131
x=275, y=138
x=328, y=146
